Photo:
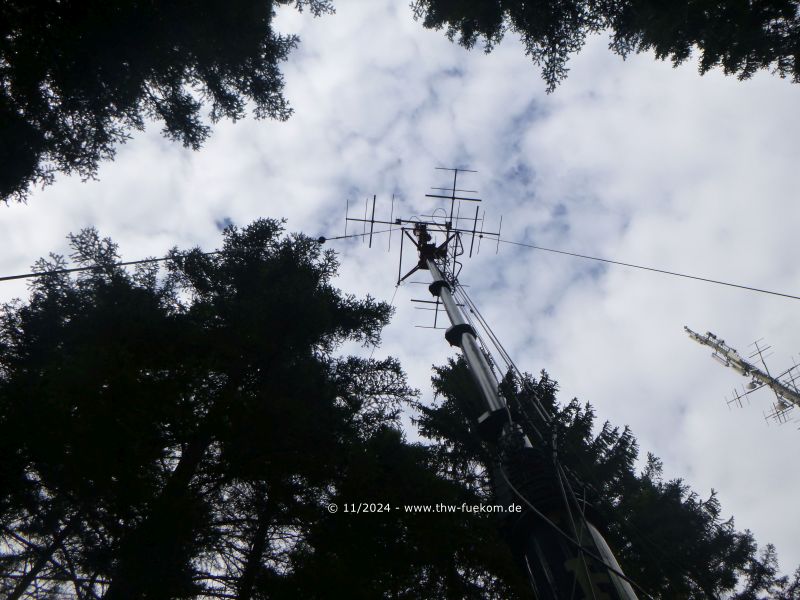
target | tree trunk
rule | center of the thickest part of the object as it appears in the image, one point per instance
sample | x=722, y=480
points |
x=142, y=557
x=254, y=557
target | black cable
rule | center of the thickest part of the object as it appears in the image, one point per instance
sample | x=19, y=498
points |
x=143, y=261
x=579, y=534
x=559, y=468
x=653, y=269
x=570, y=539
x=467, y=301
x=94, y=267
x=458, y=291
x=483, y=346
x=543, y=414
x=323, y=239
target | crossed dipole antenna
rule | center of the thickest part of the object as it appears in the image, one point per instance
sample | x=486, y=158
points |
x=440, y=232
x=557, y=562
x=784, y=385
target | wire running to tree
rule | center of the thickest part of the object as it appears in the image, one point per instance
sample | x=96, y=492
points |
x=651, y=269
x=323, y=239
x=145, y=261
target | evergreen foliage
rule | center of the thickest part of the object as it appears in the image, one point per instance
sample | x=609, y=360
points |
x=77, y=76
x=181, y=435
x=667, y=538
x=741, y=36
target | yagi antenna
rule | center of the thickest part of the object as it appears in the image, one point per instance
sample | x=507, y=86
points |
x=784, y=386
x=440, y=238
x=441, y=223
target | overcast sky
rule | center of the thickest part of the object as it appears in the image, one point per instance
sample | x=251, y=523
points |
x=629, y=160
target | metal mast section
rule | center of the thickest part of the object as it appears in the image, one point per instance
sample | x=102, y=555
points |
x=786, y=391
x=562, y=554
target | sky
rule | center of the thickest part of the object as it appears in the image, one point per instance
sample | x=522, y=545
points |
x=629, y=160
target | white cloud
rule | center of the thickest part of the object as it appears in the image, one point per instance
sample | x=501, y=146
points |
x=631, y=160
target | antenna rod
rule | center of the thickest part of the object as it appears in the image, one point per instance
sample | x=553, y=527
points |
x=556, y=546
x=462, y=334
x=558, y=567
x=731, y=358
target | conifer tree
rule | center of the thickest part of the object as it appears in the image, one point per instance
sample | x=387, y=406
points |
x=182, y=434
x=668, y=539
x=77, y=77
x=740, y=36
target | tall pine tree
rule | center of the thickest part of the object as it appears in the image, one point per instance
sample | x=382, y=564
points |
x=668, y=539
x=78, y=77
x=741, y=36
x=182, y=434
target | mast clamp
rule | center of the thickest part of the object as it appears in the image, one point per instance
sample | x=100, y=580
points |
x=436, y=287
x=455, y=333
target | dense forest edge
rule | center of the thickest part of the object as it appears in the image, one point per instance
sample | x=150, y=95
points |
x=77, y=79
x=182, y=433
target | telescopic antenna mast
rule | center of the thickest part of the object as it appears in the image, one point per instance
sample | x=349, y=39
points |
x=563, y=556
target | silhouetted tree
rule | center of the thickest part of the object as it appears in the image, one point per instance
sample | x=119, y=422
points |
x=667, y=538
x=741, y=36
x=181, y=434
x=76, y=77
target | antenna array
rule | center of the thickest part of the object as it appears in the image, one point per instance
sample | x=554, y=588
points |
x=555, y=569
x=784, y=386
x=441, y=233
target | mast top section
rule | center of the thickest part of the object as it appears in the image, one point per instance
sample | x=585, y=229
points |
x=439, y=233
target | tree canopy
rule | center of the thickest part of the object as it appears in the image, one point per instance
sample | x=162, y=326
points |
x=741, y=36
x=77, y=77
x=668, y=539
x=181, y=435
